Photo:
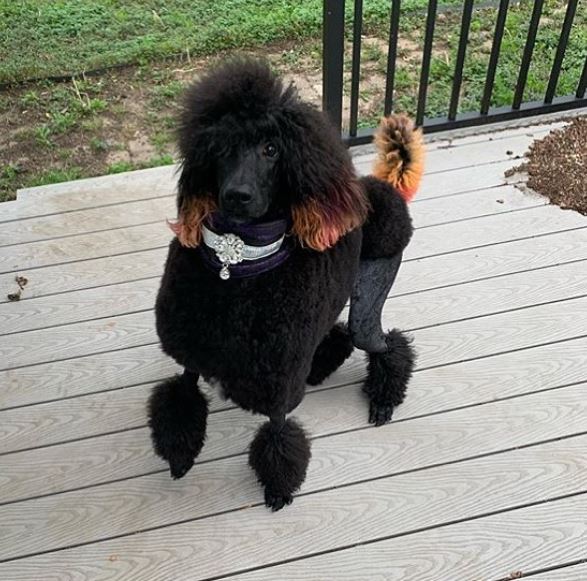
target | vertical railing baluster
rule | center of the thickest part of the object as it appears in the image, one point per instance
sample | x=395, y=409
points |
x=356, y=67
x=582, y=87
x=560, y=51
x=333, y=60
x=494, y=57
x=527, y=56
x=392, y=56
x=458, y=76
x=426, y=58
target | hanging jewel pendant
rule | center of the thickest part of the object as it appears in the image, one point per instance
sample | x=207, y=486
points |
x=224, y=272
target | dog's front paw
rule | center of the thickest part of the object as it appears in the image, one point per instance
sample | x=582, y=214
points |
x=277, y=501
x=179, y=466
x=380, y=414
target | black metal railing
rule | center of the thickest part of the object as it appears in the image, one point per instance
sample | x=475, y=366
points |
x=335, y=38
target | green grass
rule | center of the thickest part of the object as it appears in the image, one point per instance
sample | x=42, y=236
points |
x=122, y=166
x=478, y=50
x=65, y=37
x=55, y=176
x=43, y=38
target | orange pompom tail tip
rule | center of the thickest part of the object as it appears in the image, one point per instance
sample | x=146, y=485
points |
x=400, y=154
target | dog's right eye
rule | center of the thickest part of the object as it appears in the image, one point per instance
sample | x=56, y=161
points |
x=270, y=150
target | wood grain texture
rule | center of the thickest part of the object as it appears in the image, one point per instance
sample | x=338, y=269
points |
x=84, y=274
x=480, y=298
x=508, y=198
x=126, y=454
x=63, y=420
x=491, y=261
x=79, y=339
x=91, y=193
x=23, y=385
x=361, y=486
x=491, y=230
x=66, y=420
x=109, y=334
x=77, y=306
x=103, y=412
x=424, y=273
x=151, y=179
x=429, y=241
x=83, y=375
x=488, y=134
x=434, y=211
x=475, y=153
x=93, y=373
x=324, y=521
x=154, y=500
x=83, y=247
x=448, y=303
x=83, y=221
x=488, y=549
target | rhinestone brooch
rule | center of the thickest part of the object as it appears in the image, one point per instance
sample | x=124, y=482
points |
x=229, y=250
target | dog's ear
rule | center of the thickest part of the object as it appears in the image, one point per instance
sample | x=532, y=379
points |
x=327, y=200
x=197, y=179
x=194, y=205
x=320, y=221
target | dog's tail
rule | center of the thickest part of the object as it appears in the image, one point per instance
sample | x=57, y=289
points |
x=400, y=160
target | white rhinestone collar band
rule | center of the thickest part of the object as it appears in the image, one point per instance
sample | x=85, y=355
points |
x=230, y=249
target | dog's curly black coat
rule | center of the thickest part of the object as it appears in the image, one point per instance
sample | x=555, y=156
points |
x=262, y=337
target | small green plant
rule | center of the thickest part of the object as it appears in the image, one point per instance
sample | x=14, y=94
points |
x=55, y=176
x=92, y=124
x=160, y=139
x=43, y=135
x=96, y=106
x=9, y=172
x=98, y=145
x=165, y=159
x=30, y=99
x=372, y=52
x=164, y=95
x=120, y=167
x=63, y=122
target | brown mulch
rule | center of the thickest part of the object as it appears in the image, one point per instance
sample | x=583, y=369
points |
x=557, y=166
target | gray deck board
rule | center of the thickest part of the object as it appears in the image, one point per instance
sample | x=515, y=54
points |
x=431, y=211
x=82, y=462
x=487, y=549
x=329, y=519
x=466, y=265
x=480, y=475
x=468, y=299
x=341, y=459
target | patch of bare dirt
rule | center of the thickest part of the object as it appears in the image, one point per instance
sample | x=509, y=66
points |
x=557, y=166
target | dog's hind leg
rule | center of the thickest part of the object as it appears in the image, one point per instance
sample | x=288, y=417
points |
x=332, y=352
x=178, y=413
x=390, y=355
x=388, y=374
x=279, y=455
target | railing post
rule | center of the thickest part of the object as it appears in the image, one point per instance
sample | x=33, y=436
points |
x=333, y=60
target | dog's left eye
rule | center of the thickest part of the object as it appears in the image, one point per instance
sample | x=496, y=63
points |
x=270, y=150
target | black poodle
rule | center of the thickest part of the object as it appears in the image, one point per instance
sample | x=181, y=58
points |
x=274, y=234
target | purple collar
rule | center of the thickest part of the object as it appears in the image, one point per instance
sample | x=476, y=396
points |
x=244, y=250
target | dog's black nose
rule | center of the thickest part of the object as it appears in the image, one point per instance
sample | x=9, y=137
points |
x=236, y=197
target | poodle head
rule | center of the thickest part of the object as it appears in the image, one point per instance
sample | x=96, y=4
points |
x=253, y=151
